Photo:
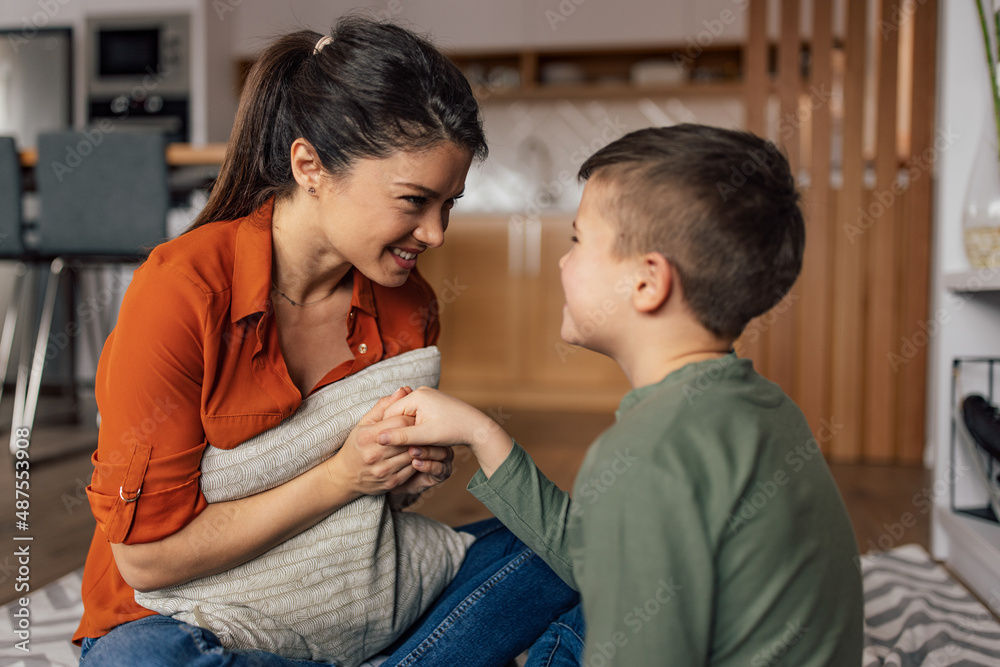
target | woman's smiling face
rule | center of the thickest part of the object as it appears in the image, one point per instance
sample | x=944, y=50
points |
x=387, y=211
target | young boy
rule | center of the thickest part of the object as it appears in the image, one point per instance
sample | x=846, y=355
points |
x=705, y=527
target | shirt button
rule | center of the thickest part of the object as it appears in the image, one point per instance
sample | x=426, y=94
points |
x=362, y=348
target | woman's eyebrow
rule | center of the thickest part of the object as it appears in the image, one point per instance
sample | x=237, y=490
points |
x=422, y=189
x=426, y=191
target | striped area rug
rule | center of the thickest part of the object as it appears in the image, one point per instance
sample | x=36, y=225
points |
x=54, y=612
x=917, y=615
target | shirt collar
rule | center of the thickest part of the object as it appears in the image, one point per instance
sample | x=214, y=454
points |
x=364, y=296
x=252, y=264
x=252, y=269
x=716, y=368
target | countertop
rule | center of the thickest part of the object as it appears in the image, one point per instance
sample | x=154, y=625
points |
x=178, y=155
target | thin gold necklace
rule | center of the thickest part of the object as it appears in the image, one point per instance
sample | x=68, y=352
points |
x=297, y=303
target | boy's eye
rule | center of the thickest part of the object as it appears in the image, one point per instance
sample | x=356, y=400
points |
x=574, y=239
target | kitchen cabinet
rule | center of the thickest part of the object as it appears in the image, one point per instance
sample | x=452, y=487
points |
x=500, y=305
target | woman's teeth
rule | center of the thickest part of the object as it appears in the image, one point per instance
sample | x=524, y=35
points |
x=404, y=254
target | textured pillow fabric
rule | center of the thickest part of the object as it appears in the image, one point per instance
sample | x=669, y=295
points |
x=344, y=589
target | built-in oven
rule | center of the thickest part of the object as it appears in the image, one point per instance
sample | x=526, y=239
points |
x=139, y=72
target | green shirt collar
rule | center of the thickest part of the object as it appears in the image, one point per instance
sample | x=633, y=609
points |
x=681, y=375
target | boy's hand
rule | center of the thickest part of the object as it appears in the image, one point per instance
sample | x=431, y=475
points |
x=440, y=419
x=365, y=467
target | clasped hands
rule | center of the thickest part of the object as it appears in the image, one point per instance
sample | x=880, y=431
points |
x=403, y=445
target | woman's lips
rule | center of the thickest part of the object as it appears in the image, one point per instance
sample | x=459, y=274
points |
x=406, y=259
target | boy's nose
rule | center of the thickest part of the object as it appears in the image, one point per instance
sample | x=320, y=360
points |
x=562, y=260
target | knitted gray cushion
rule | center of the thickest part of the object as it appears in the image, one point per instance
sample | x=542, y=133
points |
x=346, y=588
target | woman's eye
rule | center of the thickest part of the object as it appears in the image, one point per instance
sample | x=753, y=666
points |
x=416, y=200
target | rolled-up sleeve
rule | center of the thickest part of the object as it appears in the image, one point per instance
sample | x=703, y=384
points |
x=149, y=379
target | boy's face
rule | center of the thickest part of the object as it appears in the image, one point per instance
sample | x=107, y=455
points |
x=595, y=282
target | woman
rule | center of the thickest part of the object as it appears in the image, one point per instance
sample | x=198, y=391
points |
x=347, y=154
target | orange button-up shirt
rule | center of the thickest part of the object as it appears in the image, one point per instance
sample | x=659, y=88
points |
x=194, y=360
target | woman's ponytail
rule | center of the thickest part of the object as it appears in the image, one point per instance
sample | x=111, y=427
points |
x=257, y=163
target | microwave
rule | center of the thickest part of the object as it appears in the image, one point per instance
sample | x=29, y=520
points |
x=138, y=56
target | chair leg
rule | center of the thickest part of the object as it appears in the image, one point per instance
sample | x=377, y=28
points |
x=98, y=325
x=37, y=364
x=29, y=290
x=10, y=322
x=97, y=330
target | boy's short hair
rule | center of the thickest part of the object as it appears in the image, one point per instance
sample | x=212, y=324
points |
x=721, y=205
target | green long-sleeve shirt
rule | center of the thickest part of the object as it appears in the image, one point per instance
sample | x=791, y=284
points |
x=705, y=528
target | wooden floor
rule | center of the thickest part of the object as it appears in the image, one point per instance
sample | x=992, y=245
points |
x=881, y=499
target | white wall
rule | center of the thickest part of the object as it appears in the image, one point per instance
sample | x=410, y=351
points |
x=971, y=323
x=513, y=24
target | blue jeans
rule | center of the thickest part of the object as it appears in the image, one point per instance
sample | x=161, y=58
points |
x=503, y=600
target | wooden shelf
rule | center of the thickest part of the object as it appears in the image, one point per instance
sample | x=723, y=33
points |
x=979, y=280
x=609, y=90
x=601, y=73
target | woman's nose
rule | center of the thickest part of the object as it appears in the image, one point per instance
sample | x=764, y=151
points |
x=431, y=230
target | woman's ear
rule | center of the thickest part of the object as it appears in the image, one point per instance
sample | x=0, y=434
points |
x=655, y=283
x=306, y=166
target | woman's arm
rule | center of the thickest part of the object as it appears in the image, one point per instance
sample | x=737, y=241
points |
x=145, y=489
x=228, y=534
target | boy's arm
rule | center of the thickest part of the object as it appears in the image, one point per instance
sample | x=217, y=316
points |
x=531, y=506
x=442, y=420
x=509, y=484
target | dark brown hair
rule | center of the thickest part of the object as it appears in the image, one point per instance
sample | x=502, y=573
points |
x=377, y=88
x=721, y=205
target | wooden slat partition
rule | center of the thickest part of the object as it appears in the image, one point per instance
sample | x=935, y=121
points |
x=755, y=68
x=863, y=293
x=781, y=332
x=812, y=358
x=915, y=259
x=882, y=226
x=758, y=83
x=849, y=256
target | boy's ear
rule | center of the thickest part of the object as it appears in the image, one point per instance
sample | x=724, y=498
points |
x=655, y=283
x=306, y=166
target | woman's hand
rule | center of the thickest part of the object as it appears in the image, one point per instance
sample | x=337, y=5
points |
x=434, y=465
x=440, y=419
x=364, y=466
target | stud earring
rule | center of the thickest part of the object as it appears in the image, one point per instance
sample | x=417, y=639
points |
x=311, y=191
